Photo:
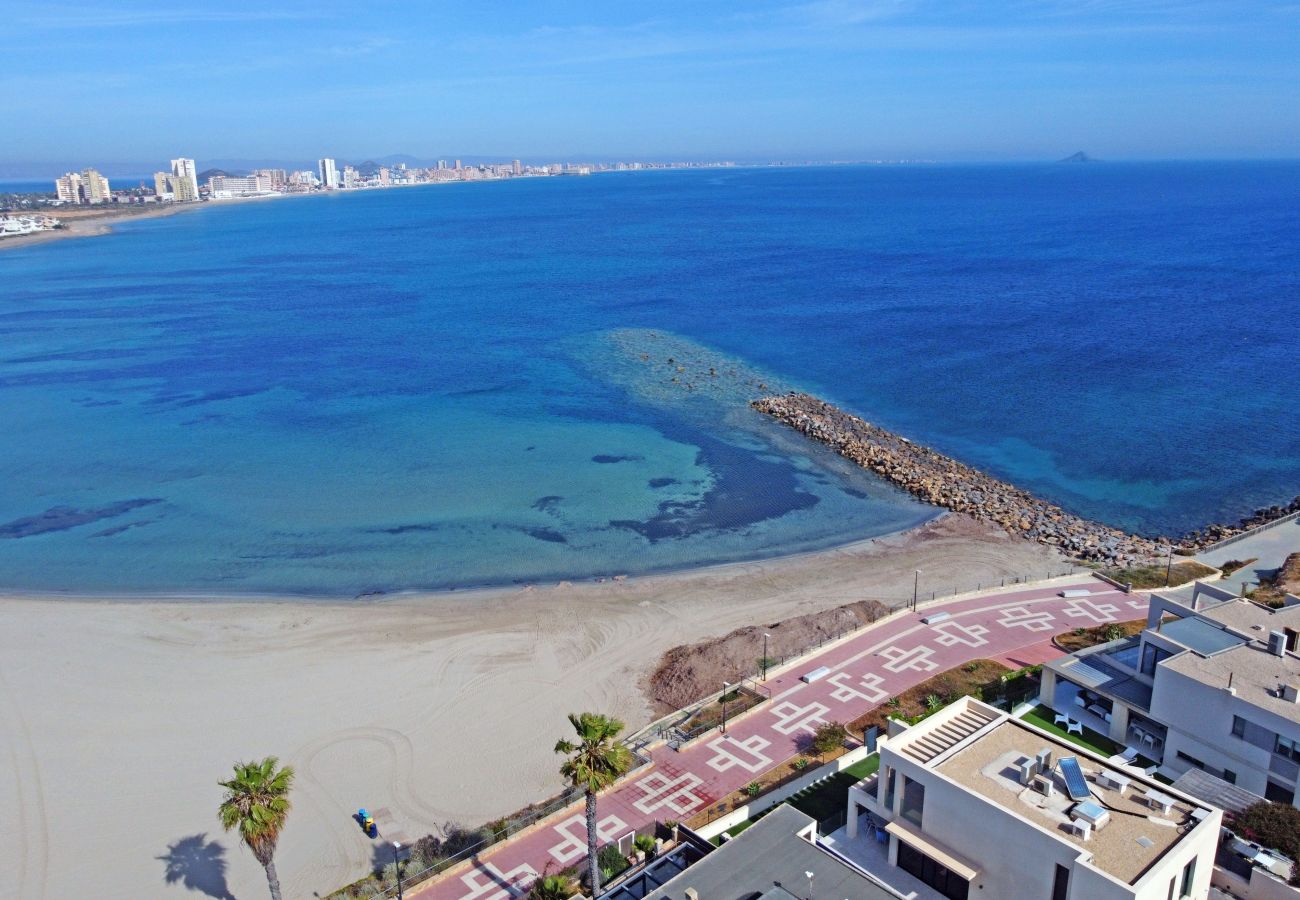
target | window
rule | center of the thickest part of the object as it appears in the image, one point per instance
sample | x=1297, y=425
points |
x=1190, y=759
x=1229, y=776
x=1151, y=657
x=1288, y=748
x=913, y=801
x=916, y=863
x=1189, y=875
x=1278, y=793
x=1061, y=886
x=1238, y=727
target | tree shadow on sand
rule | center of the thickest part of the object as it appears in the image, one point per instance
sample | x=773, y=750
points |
x=199, y=865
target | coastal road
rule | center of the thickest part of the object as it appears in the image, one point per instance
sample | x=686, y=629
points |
x=866, y=670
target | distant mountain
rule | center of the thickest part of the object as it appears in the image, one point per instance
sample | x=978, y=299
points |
x=1079, y=157
x=208, y=173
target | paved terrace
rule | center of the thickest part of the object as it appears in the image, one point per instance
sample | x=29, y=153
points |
x=866, y=670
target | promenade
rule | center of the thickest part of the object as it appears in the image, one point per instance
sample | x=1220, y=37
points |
x=866, y=670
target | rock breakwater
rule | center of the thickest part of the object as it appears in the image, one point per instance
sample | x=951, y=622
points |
x=943, y=481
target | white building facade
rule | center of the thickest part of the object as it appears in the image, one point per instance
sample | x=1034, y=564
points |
x=974, y=803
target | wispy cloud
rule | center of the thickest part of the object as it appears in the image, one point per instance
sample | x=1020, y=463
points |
x=363, y=47
x=52, y=16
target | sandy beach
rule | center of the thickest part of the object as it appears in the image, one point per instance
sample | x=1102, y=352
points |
x=92, y=222
x=121, y=715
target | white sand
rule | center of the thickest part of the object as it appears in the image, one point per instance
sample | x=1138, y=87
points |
x=117, y=718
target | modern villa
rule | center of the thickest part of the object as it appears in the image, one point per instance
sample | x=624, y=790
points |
x=1211, y=684
x=975, y=803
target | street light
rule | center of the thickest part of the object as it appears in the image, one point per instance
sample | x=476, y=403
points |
x=1169, y=566
x=810, y=880
x=765, y=637
x=397, y=864
x=723, y=700
x=916, y=581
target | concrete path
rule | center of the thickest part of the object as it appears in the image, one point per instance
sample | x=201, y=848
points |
x=1270, y=547
x=867, y=670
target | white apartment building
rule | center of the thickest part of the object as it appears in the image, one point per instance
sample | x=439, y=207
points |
x=228, y=186
x=976, y=804
x=1213, y=683
x=186, y=186
x=68, y=188
x=329, y=173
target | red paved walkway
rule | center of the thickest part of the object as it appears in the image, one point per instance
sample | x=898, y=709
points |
x=877, y=664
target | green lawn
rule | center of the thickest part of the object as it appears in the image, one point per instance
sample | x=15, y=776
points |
x=1041, y=716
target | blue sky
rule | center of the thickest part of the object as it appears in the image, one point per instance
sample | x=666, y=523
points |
x=827, y=79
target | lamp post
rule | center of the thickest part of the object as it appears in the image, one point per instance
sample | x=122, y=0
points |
x=1169, y=566
x=723, y=700
x=810, y=885
x=916, y=581
x=397, y=865
x=765, y=637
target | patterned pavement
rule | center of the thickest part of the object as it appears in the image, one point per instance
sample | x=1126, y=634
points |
x=866, y=670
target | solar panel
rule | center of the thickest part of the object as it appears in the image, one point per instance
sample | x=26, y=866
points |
x=1075, y=784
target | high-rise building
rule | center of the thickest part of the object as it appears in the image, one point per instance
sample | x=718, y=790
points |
x=442, y=164
x=186, y=186
x=164, y=185
x=329, y=173
x=457, y=165
x=518, y=168
x=278, y=177
x=68, y=188
x=94, y=187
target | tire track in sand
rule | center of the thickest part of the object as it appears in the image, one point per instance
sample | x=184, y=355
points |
x=32, y=822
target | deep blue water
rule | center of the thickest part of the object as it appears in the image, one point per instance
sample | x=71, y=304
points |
x=420, y=387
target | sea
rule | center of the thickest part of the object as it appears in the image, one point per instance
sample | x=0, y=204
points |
x=545, y=379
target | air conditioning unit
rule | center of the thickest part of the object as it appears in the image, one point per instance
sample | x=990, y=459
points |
x=1044, y=785
x=1277, y=643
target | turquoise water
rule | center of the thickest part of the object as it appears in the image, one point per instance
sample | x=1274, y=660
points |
x=444, y=386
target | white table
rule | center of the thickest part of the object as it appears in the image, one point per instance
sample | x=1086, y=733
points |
x=1155, y=800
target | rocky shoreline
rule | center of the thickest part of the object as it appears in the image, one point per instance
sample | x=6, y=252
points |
x=942, y=481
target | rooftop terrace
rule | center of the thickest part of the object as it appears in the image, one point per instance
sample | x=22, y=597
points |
x=1133, y=837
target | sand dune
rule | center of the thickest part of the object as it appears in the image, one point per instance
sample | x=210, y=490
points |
x=119, y=716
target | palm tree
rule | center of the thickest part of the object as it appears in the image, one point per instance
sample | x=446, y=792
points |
x=257, y=803
x=591, y=765
x=553, y=887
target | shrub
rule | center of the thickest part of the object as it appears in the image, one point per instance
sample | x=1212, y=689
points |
x=753, y=788
x=801, y=763
x=1275, y=825
x=611, y=861
x=933, y=702
x=829, y=737
x=645, y=843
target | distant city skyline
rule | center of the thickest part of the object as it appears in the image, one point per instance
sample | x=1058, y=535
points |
x=752, y=81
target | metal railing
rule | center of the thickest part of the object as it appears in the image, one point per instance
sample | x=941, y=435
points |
x=662, y=729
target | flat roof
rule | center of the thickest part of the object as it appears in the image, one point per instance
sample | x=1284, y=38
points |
x=1199, y=635
x=770, y=856
x=1125, y=847
x=1255, y=675
x=1251, y=618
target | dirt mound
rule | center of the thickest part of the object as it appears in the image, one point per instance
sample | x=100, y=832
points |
x=689, y=672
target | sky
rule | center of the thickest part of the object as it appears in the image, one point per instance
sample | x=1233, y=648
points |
x=124, y=81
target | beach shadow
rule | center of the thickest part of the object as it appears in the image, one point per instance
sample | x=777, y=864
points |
x=199, y=865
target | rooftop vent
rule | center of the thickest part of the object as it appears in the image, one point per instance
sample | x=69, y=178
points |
x=1291, y=693
x=1146, y=842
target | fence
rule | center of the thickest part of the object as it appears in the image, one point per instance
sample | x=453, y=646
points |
x=661, y=730
x=1250, y=532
